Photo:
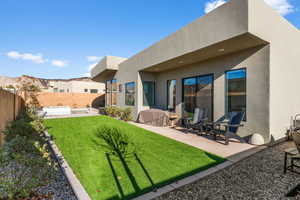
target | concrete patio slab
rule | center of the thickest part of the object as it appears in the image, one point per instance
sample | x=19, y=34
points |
x=225, y=151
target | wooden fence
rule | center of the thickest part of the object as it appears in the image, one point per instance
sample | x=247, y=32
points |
x=10, y=106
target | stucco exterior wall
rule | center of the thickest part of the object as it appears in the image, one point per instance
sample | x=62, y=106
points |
x=228, y=21
x=284, y=41
x=271, y=59
x=256, y=62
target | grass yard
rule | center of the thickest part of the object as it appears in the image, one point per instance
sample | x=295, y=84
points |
x=160, y=159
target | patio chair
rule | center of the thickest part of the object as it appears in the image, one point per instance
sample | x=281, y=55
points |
x=228, y=128
x=197, y=122
x=293, y=153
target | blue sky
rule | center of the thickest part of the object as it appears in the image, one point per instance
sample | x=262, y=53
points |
x=62, y=38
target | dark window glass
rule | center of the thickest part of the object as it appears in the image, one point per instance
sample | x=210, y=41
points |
x=198, y=93
x=149, y=93
x=94, y=91
x=171, y=95
x=189, y=96
x=85, y=90
x=236, y=90
x=130, y=94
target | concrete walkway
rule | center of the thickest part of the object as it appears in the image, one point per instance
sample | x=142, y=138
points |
x=234, y=151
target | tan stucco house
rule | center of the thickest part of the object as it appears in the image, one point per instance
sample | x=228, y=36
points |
x=241, y=56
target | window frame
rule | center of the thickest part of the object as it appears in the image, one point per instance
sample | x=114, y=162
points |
x=226, y=90
x=172, y=110
x=212, y=88
x=134, y=93
x=110, y=91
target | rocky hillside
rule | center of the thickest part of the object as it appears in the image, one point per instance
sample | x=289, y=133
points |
x=40, y=82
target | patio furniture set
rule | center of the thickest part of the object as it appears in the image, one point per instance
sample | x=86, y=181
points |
x=226, y=126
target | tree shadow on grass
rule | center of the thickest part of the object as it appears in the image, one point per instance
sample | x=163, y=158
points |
x=117, y=145
x=131, y=177
x=154, y=186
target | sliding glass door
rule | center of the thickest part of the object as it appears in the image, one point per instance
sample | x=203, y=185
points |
x=149, y=93
x=198, y=93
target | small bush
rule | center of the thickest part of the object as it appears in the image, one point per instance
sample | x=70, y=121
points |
x=112, y=111
x=116, y=142
x=25, y=162
x=125, y=114
x=27, y=124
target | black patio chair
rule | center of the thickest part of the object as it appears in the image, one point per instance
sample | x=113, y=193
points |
x=198, y=120
x=227, y=126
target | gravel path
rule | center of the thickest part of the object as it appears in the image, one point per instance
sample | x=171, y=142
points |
x=257, y=177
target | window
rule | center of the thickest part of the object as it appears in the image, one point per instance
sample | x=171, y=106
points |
x=55, y=90
x=93, y=90
x=86, y=90
x=149, y=93
x=130, y=94
x=61, y=90
x=198, y=93
x=171, y=94
x=111, y=92
x=236, y=90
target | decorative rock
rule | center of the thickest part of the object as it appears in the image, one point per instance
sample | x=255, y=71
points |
x=257, y=139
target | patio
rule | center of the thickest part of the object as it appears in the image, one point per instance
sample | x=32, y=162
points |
x=233, y=152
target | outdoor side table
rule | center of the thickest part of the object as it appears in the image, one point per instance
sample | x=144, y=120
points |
x=172, y=118
x=293, y=154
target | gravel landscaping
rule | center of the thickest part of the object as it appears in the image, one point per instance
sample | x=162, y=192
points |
x=58, y=188
x=257, y=177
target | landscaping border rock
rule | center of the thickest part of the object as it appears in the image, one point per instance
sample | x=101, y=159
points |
x=75, y=184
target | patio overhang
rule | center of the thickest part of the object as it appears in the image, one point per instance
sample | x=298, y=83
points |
x=106, y=68
x=232, y=45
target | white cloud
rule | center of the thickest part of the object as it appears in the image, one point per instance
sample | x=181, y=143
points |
x=93, y=58
x=59, y=63
x=281, y=6
x=211, y=5
x=36, y=58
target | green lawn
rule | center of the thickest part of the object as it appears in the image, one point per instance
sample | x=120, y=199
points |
x=160, y=159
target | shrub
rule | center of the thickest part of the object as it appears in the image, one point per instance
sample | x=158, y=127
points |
x=112, y=111
x=116, y=142
x=25, y=161
x=125, y=114
x=27, y=124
